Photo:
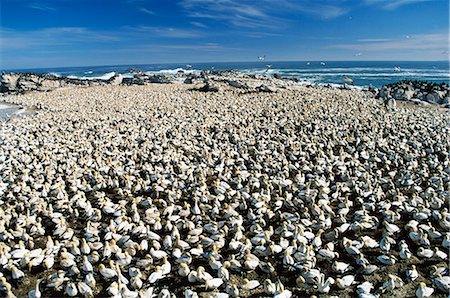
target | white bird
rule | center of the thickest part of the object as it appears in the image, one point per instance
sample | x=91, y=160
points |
x=442, y=283
x=84, y=289
x=345, y=281
x=156, y=275
x=107, y=273
x=269, y=287
x=249, y=284
x=412, y=274
x=423, y=291
x=71, y=289
x=36, y=293
x=213, y=283
x=324, y=285
x=340, y=267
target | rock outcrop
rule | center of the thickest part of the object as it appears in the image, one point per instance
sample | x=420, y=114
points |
x=416, y=91
x=8, y=82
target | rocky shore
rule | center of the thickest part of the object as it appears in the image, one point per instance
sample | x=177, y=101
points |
x=417, y=92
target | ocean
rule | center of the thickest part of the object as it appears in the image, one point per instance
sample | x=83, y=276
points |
x=363, y=73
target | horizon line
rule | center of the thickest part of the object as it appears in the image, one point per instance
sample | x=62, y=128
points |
x=242, y=61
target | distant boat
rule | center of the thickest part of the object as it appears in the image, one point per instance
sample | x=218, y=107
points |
x=308, y=63
x=397, y=68
x=347, y=80
x=188, y=66
x=322, y=63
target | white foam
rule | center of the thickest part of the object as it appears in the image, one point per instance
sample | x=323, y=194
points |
x=173, y=71
x=104, y=77
x=396, y=74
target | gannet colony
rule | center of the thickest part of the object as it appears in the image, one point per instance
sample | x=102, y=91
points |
x=164, y=191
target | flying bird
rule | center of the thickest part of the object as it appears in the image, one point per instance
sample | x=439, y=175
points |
x=262, y=58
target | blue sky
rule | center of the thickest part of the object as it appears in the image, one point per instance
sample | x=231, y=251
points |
x=78, y=33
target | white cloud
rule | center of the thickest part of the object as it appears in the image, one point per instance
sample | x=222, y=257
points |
x=262, y=14
x=145, y=10
x=41, y=6
x=54, y=36
x=393, y=4
x=198, y=24
x=373, y=39
x=438, y=41
x=168, y=32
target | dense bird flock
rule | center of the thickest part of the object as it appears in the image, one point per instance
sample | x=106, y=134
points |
x=160, y=191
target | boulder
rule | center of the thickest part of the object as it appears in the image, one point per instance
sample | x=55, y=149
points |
x=209, y=87
x=235, y=84
x=115, y=80
x=265, y=88
x=277, y=76
x=24, y=84
x=432, y=97
x=399, y=94
x=47, y=85
x=158, y=79
x=384, y=93
x=9, y=82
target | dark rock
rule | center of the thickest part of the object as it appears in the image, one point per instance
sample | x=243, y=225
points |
x=235, y=84
x=415, y=91
x=432, y=97
x=159, y=79
x=277, y=76
x=188, y=80
x=9, y=82
x=399, y=94
x=384, y=93
x=265, y=88
x=209, y=87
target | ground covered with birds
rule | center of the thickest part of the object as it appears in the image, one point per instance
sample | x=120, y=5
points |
x=162, y=191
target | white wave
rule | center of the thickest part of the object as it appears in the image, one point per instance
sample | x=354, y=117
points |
x=127, y=75
x=173, y=71
x=54, y=74
x=340, y=70
x=104, y=77
x=397, y=74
